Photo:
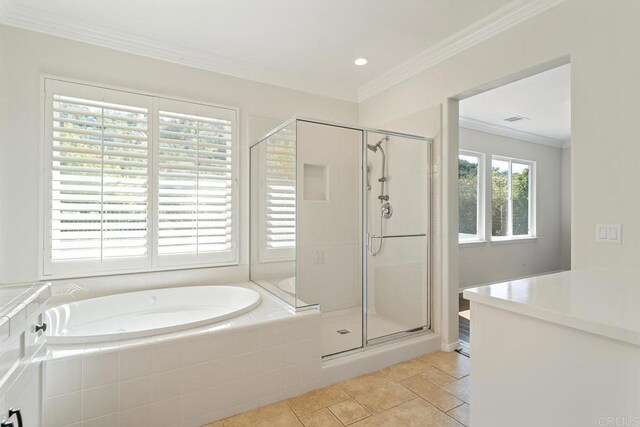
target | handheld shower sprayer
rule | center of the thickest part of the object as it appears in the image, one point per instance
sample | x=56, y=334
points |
x=386, y=210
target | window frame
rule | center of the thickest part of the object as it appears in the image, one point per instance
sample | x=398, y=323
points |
x=48, y=269
x=532, y=200
x=480, y=214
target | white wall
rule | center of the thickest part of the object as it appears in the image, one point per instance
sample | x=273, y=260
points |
x=602, y=40
x=27, y=55
x=495, y=261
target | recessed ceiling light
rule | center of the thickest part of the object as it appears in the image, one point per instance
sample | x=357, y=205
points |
x=361, y=61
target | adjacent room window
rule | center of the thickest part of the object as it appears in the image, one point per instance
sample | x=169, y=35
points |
x=135, y=182
x=511, y=198
x=470, y=198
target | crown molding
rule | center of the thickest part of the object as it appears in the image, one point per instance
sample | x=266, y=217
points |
x=14, y=14
x=17, y=15
x=480, y=126
x=495, y=23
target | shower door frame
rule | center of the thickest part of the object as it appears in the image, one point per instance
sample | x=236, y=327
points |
x=366, y=342
x=365, y=235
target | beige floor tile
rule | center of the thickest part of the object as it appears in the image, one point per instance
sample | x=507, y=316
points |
x=364, y=382
x=460, y=388
x=278, y=414
x=431, y=393
x=321, y=418
x=407, y=369
x=318, y=399
x=461, y=413
x=349, y=411
x=377, y=392
x=451, y=363
x=414, y=413
x=216, y=424
x=438, y=377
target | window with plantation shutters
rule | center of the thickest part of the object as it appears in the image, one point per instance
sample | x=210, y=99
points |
x=279, y=209
x=196, y=177
x=135, y=182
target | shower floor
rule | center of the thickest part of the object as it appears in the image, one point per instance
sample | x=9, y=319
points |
x=351, y=320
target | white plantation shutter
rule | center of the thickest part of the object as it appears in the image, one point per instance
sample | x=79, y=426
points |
x=196, y=183
x=134, y=182
x=280, y=181
x=98, y=204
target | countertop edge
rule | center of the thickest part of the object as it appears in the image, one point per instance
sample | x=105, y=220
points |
x=596, y=328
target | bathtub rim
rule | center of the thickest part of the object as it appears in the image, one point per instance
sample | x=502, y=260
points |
x=111, y=338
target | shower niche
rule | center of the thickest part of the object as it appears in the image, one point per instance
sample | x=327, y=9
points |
x=339, y=219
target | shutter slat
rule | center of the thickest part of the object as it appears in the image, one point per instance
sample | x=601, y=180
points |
x=97, y=133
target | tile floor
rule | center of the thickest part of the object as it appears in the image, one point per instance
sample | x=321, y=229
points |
x=432, y=390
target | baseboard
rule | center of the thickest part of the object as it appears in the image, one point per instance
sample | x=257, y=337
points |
x=450, y=346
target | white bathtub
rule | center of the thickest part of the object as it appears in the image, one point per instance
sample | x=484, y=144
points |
x=146, y=313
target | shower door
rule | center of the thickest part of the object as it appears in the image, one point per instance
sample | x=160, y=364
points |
x=397, y=253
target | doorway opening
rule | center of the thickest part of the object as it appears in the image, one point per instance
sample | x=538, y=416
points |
x=514, y=184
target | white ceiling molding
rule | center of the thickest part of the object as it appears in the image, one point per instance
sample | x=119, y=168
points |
x=14, y=13
x=495, y=23
x=480, y=126
x=17, y=15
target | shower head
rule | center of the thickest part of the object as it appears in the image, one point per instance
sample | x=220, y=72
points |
x=374, y=147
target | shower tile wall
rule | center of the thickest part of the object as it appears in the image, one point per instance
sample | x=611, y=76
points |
x=329, y=239
x=399, y=278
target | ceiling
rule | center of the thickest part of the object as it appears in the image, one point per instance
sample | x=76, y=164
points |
x=544, y=99
x=303, y=44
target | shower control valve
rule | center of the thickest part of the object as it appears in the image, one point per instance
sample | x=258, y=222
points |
x=387, y=210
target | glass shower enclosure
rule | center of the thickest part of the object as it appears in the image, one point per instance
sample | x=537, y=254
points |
x=340, y=220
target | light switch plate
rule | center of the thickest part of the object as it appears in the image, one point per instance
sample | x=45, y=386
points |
x=609, y=233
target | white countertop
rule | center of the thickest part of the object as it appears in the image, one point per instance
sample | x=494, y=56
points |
x=601, y=302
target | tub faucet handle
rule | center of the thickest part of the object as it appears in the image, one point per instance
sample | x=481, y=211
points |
x=6, y=424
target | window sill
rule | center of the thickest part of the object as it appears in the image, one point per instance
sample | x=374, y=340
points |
x=57, y=275
x=513, y=240
x=472, y=243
